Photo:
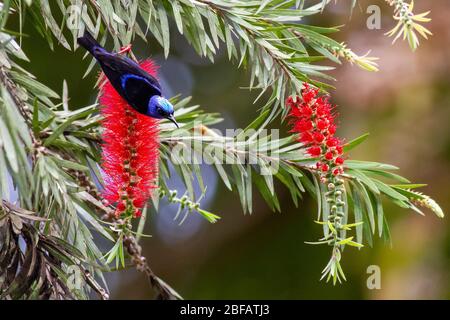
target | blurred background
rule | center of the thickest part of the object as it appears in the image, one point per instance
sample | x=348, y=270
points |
x=406, y=109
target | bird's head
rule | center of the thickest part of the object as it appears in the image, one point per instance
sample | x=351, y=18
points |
x=161, y=108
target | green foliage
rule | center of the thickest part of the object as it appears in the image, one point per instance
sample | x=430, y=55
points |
x=52, y=153
x=408, y=23
x=41, y=267
x=266, y=37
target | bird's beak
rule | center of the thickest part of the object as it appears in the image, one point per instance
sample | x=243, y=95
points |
x=171, y=118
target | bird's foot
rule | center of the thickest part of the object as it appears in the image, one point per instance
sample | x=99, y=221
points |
x=125, y=49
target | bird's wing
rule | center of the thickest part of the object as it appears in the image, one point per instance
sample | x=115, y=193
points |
x=130, y=70
x=138, y=91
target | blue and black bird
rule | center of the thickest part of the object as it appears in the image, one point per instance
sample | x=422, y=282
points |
x=140, y=89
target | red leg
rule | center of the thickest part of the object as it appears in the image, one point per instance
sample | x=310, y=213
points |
x=125, y=49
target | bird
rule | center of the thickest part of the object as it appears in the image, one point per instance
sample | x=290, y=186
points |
x=140, y=89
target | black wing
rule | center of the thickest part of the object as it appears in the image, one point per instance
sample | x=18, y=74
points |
x=138, y=91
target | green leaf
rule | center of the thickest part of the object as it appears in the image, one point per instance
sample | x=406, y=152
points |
x=272, y=200
x=369, y=208
x=380, y=215
x=34, y=86
x=7, y=142
x=70, y=164
x=211, y=217
x=349, y=241
x=358, y=212
x=121, y=254
x=63, y=126
x=368, y=165
x=360, y=176
x=164, y=29
x=177, y=15
x=390, y=191
x=355, y=142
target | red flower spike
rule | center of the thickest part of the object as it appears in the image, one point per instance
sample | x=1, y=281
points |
x=307, y=111
x=329, y=155
x=130, y=150
x=332, y=129
x=314, y=151
x=306, y=137
x=332, y=142
x=336, y=171
x=304, y=125
x=318, y=137
x=339, y=161
x=322, y=124
x=312, y=117
x=121, y=206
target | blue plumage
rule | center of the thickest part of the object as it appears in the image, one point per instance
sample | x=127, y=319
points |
x=140, y=89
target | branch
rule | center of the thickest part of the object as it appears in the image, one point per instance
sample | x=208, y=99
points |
x=130, y=243
x=36, y=272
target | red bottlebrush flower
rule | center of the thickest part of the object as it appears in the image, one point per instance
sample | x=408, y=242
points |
x=315, y=151
x=332, y=142
x=318, y=137
x=307, y=111
x=121, y=206
x=309, y=94
x=332, y=129
x=130, y=150
x=322, y=124
x=306, y=137
x=304, y=125
x=339, y=161
x=312, y=118
x=322, y=109
x=329, y=155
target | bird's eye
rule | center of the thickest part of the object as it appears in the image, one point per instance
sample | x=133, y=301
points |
x=160, y=111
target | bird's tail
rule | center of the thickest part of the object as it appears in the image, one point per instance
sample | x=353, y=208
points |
x=88, y=42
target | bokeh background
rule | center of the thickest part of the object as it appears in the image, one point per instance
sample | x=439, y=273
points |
x=406, y=109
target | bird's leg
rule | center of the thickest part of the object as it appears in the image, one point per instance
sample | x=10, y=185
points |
x=125, y=49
